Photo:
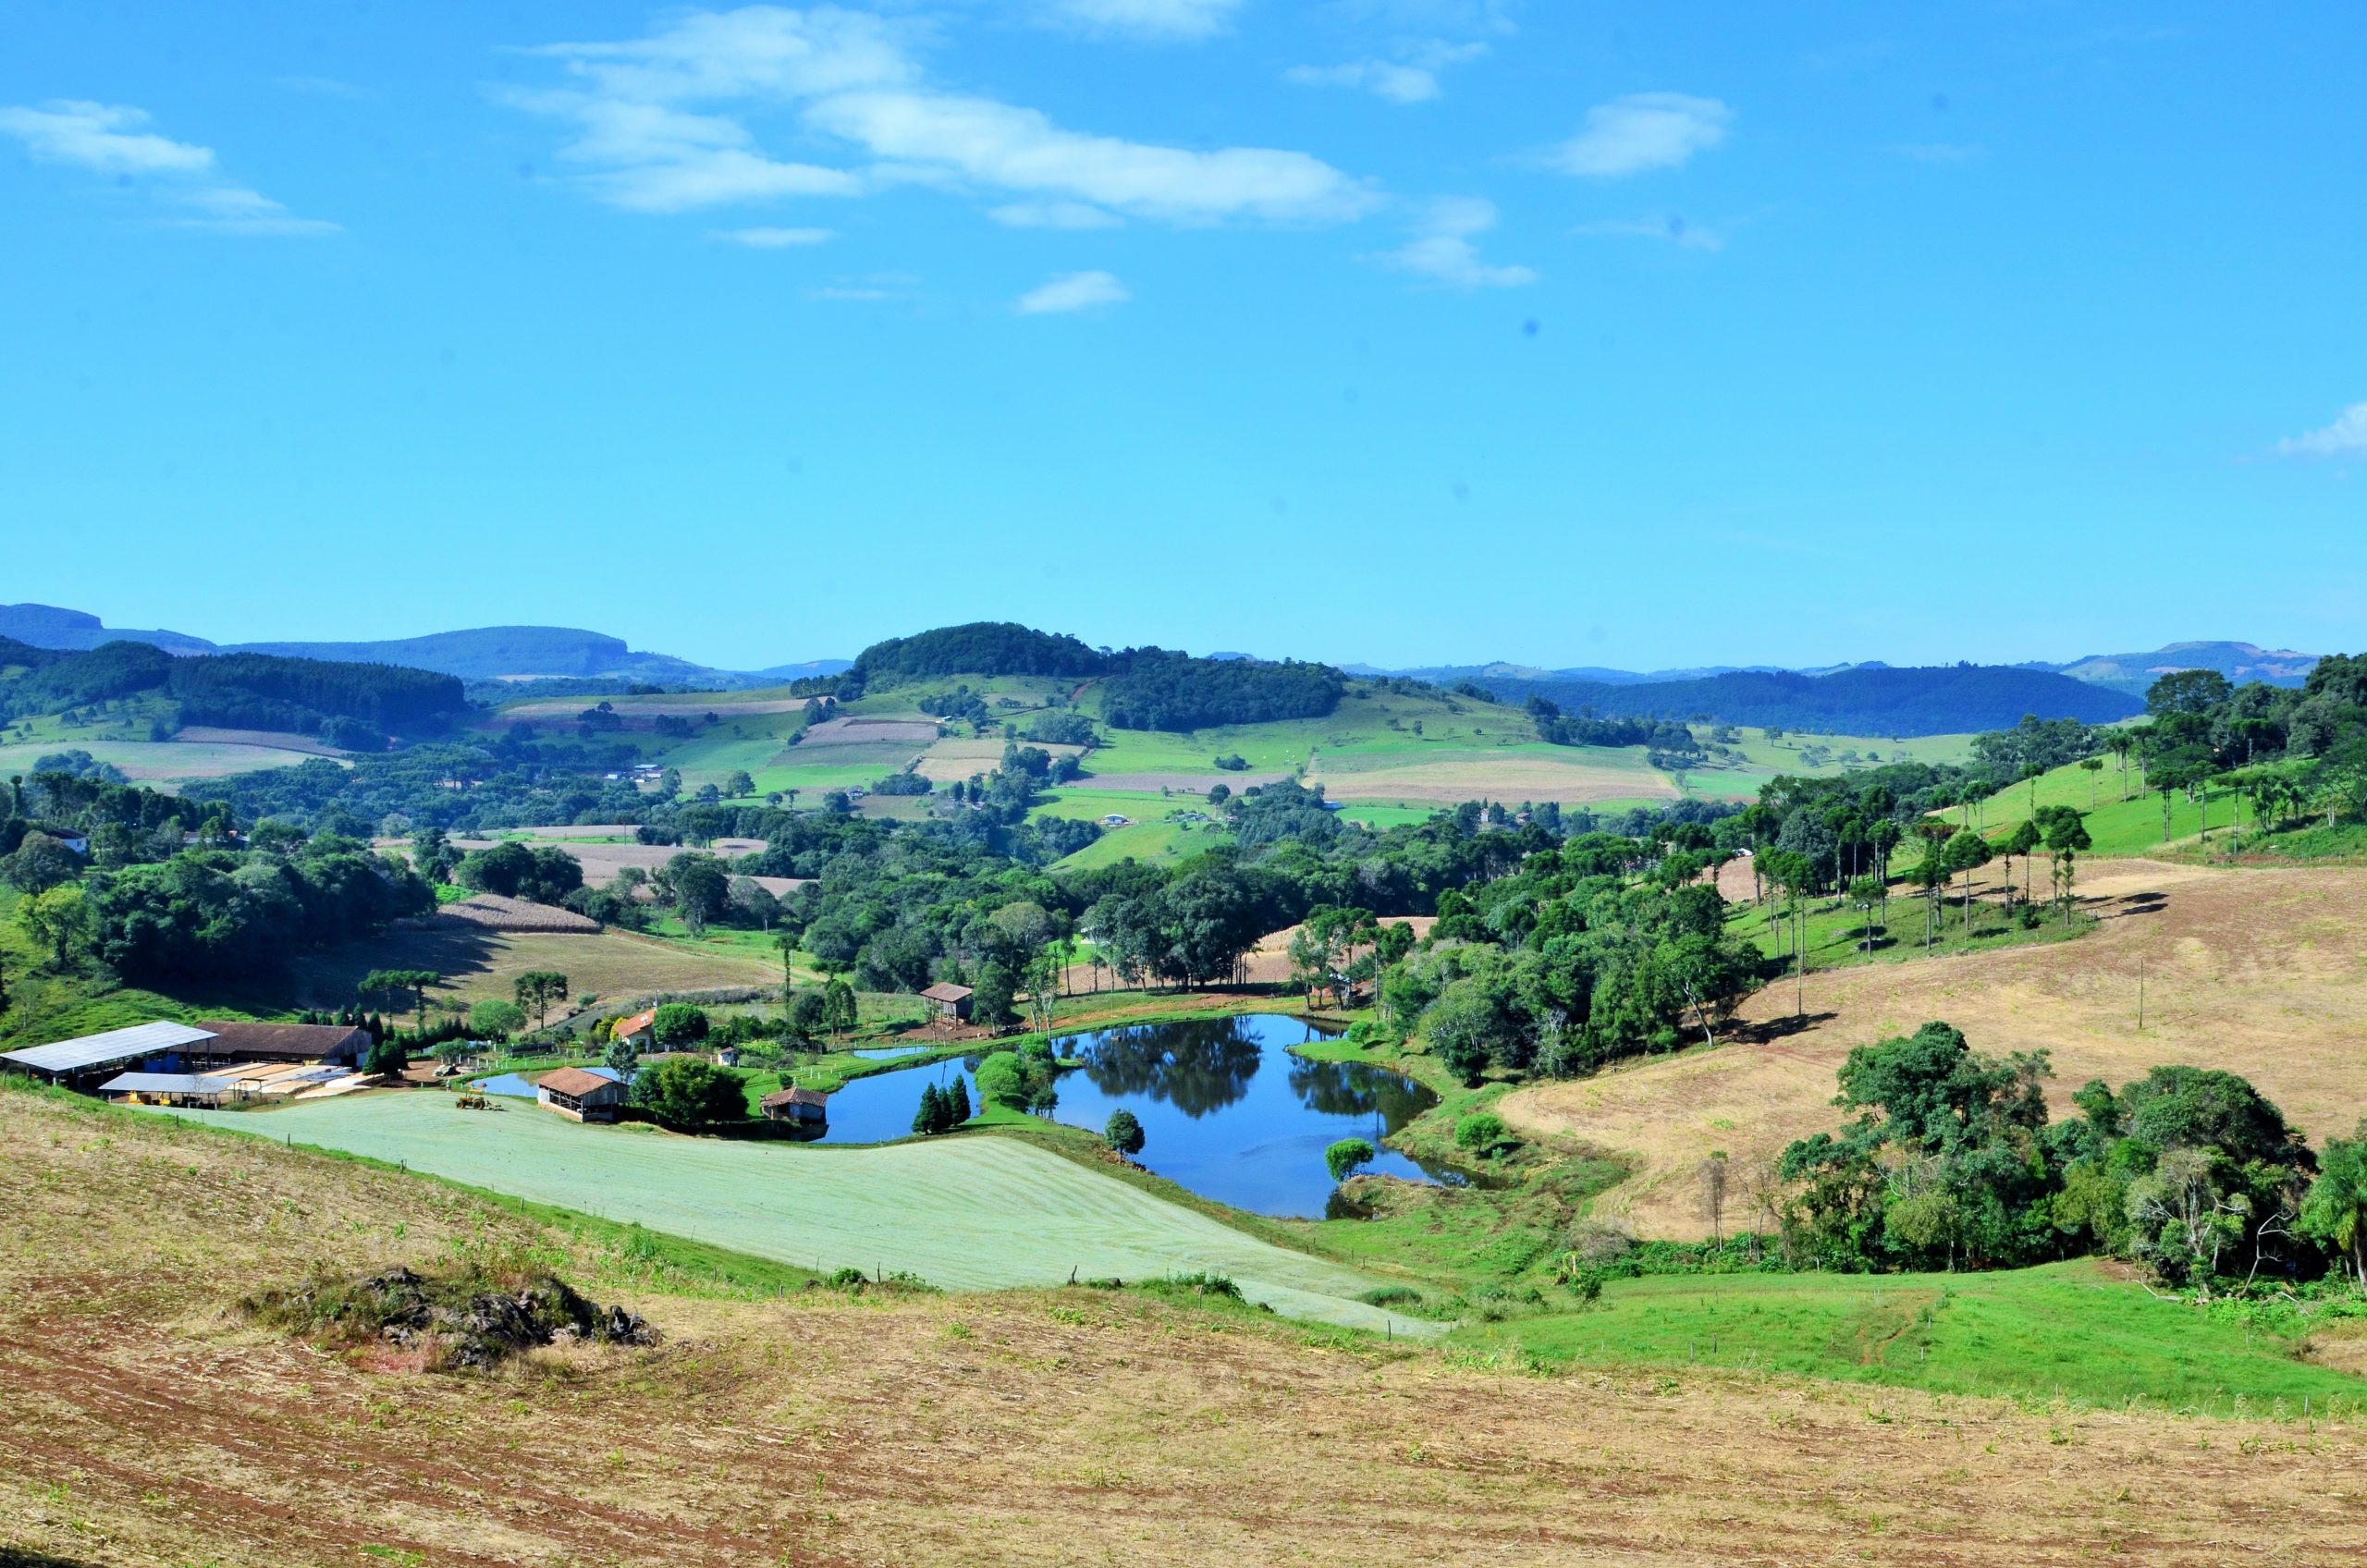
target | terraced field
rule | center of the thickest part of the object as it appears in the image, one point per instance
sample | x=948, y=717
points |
x=972, y=1213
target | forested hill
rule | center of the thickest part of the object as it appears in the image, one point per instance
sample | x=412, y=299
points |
x=1140, y=687
x=1941, y=700
x=356, y=705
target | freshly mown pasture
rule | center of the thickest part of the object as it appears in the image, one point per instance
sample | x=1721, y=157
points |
x=974, y=1213
x=1812, y=756
x=159, y=762
x=2258, y=972
x=146, y=1420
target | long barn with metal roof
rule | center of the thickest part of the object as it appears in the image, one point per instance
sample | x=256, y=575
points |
x=71, y=1062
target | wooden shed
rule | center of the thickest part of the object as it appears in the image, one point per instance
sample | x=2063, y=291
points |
x=951, y=1002
x=580, y=1096
x=810, y=1107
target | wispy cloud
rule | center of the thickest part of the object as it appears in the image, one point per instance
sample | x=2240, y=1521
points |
x=1186, y=20
x=2346, y=438
x=1412, y=77
x=658, y=126
x=1941, y=152
x=772, y=239
x=1441, y=249
x=1052, y=214
x=1640, y=132
x=110, y=139
x=1071, y=291
x=1672, y=228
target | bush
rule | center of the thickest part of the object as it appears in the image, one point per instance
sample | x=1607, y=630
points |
x=690, y=1092
x=1484, y=1134
x=497, y=1019
x=679, y=1023
x=1342, y=1158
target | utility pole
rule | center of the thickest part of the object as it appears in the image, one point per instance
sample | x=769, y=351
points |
x=2141, y=993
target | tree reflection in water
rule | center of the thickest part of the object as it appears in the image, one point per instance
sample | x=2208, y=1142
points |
x=1198, y=1067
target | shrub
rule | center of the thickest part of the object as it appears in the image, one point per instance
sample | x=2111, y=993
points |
x=679, y=1023
x=496, y=1019
x=1484, y=1134
x=690, y=1092
x=1124, y=1133
x=1342, y=1158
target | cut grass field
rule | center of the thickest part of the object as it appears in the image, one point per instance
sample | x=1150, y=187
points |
x=146, y=1422
x=974, y=1212
x=2079, y=1334
x=160, y=762
x=2261, y=971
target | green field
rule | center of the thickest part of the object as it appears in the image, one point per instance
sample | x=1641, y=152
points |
x=161, y=763
x=2069, y=1332
x=1764, y=760
x=2130, y=827
x=973, y=1212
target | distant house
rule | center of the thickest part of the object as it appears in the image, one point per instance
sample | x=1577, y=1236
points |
x=641, y=1029
x=580, y=1096
x=1113, y=820
x=951, y=1002
x=73, y=838
x=807, y=1105
x=727, y=1056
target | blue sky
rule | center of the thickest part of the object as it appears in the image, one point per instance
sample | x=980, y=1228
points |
x=1399, y=330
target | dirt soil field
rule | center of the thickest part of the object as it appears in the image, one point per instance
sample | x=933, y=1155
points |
x=1451, y=779
x=915, y=733
x=277, y=739
x=146, y=1423
x=2263, y=973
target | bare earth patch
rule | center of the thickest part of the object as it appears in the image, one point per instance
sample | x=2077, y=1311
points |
x=1452, y=779
x=2260, y=972
x=870, y=731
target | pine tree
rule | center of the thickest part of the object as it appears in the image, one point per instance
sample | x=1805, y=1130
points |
x=929, y=1119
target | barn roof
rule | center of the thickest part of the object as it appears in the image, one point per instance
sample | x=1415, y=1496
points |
x=165, y=1084
x=576, y=1083
x=946, y=991
x=289, y=1039
x=635, y=1024
x=116, y=1045
x=793, y=1096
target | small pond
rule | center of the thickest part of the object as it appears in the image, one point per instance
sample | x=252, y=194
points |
x=1227, y=1110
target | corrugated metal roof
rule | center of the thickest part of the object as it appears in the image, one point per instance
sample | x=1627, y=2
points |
x=116, y=1045
x=164, y=1083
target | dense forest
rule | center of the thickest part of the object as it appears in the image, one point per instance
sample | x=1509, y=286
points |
x=348, y=704
x=1942, y=700
x=1141, y=688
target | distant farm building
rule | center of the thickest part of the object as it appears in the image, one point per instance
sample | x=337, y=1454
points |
x=1113, y=820
x=641, y=1029
x=727, y=1056
x=951, y=1002
x=333, y=1044
x=810, y=1107
x=203, y=1093
x=83, y=1064
x=580, y=1096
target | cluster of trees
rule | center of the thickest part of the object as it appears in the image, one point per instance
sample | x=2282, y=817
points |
x=359, y=703
x=1585, y=728
x=1021, y=1079
x=1953, y=1162
x=981, y=647
x=942, y=1107
x=2291, y=752
x=1152, y=689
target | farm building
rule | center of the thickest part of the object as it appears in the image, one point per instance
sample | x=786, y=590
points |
x=810, y=1107
x=949, y=1000
x=641, y=1029
x=727, y=1056
x=333, y=1044
x=171, y=1088
x=580, y=1096
x=84, y=1062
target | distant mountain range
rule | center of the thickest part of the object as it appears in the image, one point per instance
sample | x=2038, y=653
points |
x=1871, y=698
x=481, y=654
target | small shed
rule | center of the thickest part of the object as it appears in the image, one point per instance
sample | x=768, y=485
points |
x=641, y=1029
x=170, y=1088
x=951, y=1002
x=727, y=1056
x=580, y=1096
x=810, y=1107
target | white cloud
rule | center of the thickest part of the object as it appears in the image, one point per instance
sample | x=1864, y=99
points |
x=1071, y=291
x=1183, y=19
x=772, y=239
x=1382, y=79
x=1641, y=131
x=1672, y=228
x=1441, y=249
x=1411, y=77
x=107, y=139
x=1052, y=214
x=658, y=124
x=2346, y=438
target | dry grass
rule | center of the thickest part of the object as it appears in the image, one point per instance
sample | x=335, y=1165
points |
x=143, y=1422
x=1269, y=960
x=952, y=759
x=915, y=733
x=495, y=913
x=477, y=963
x=2262, y=972
x=1452, y=777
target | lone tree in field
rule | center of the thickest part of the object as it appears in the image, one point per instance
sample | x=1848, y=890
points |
x=1124, y=1133
x=536, y=990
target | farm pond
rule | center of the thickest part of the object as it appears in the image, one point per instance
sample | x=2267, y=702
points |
x=1228, y=1110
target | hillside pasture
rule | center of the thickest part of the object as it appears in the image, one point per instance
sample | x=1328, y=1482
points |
x=476, y=964
x=161, y=763
x=954, y=757
x=2263, y=973
x=148, y=1423
x=1567, y=775
x=914, y=733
